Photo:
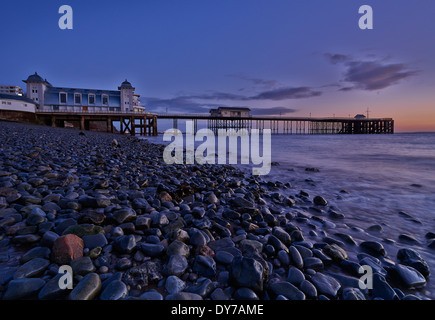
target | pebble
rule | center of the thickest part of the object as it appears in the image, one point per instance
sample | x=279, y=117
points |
x=286, y=289
x=325, y=285
x=23, y=288
x=373, y=247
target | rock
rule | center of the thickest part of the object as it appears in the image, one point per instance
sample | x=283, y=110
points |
x=183, y=296
x=224, y=257
x=282, y=235
x=152, y=250
x=308, y=288
x=409, y=277
x=87, y=289
x=26, y=238
x=124, y=215
x=82, y=266
x=406, y=238
x=115, y=290
x=48, y=239
x=285, y=289
x=373, y=247
x=94, y=240
x=82, y=230
x=247, y=272
x=203, y=288
x=245, y=294
x=151, y=295
x=125, y=244
x=174, y=284
x=326, y=285
x=313, y=263
x=277, y=244
x=204, y=266
x=242, y=203
x=37, y=252
x=212, y=199
x=295, y=276
x=176, y=265
x=52, y=290
x=66, y=248
x=320, y=201
x=337, y=253
x=352, y=294
x=178, y=247
x=23, y=288
x=32, y=268
x=197, y=238
x=412, y=258
x=296, y=258
x=381, y=289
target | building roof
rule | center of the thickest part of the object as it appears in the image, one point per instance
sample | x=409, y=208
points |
x=16, y=97
x=233, y=108
x=35, y=78
x=126, y=85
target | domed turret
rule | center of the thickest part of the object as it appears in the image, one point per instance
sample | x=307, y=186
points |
x=126, y=85
x=35, y=78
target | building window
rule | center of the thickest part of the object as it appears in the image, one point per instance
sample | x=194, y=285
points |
x=91, y=99
x=105, y=99
x=77, y=98
x=9, y=102
x=62, y=98
x=3, y=102
x=25, y=104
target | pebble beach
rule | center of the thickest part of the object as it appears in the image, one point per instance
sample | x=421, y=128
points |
x=132, y=227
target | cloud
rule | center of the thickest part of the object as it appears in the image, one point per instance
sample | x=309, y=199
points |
x=287, y=93
x=255, y=81
x=374, y=74
x=337, y=58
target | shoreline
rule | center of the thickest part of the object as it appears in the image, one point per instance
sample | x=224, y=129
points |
x=187, y=231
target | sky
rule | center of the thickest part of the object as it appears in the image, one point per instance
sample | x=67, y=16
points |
x=277, y=57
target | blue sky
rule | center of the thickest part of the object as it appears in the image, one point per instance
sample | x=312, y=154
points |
x=276, y=56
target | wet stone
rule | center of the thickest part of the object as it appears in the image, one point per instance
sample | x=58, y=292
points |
x=87, y=289
x=23, y=288
x=32, y=268
x=325, y=285
x=115, y=290
x=285, y=289
x=373, y=247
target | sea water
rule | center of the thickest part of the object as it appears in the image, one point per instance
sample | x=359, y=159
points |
x=368, y=178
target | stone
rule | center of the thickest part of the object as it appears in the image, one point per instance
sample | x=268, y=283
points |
x=313, y=263
x=409, y=277
x=352, y=294
x=52, y=290
x=282, y=235
x=197, y=238
x=277, y=244
x=82, y=266
x=67, y=248
x=325, y=285
x=406, y=238
x=373, y=247
x=87, y=289
x=219, y=295
x=336, y=253
x=23, y=288
x=381, y=289
x=203, y=288
x=320, y=201
x=285, y=289
x=37, y=252
x=183, y=296
x=178, y=247
x=124, y=215
x=115, y=290
x=174, y=284
x=82, y=230
x=224, y=257
x=151, y=295
x=176, y=265
x=204, y=266
x=125, y=243
x=152, y=250
x=32, y=268
x=49, y=238
x=295, y=276
x=308, y=288
x=94, y=240
x=296, y=258
x=247, y=272
x=412, y=258
x=245, y=294
x=26, y=238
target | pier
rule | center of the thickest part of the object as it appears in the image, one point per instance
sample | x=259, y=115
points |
x=145, y=123
x=289, y=125
x=133, y=123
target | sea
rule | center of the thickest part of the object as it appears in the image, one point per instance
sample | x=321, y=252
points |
x=386, y=181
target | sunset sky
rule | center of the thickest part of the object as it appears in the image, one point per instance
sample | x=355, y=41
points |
x=286, y=57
